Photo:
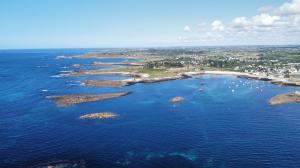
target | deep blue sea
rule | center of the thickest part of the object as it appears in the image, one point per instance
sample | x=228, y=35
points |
x=228, y=125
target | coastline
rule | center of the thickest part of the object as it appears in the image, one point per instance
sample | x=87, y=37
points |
x=273, y=80
x=146, y=78
x=139, y=72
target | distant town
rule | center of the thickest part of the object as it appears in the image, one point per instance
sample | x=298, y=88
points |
x=274, y=63
x=282, y=62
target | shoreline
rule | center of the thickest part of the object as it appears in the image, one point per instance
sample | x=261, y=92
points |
x=273, y=80
x=145, y=78
x=140, y=73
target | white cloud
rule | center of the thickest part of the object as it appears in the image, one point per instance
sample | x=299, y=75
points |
x=271, y=25
x=290, y=8
x=241, y=22
x=217, y=25
x=297, y=20
x=265, y=19
x=187, y=29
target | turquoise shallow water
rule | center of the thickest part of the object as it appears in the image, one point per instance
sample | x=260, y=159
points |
x=214, y=128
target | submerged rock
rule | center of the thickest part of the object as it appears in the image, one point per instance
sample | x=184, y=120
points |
x=76, y=65
x=285, y=99
x=93, y=116
x=177, y=99
x=69, y=100
x=62, y=164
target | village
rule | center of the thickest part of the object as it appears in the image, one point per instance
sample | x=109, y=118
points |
x=276, y=62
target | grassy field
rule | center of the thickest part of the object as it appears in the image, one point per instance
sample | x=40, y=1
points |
x=154, y=73
x=158, y=72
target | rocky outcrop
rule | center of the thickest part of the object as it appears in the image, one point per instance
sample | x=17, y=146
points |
x=69, y=100
x=119, y=64
x=287, y=83
x=128, y=82
x=177, y=99
x=106, y=83
x=155, y=80
x=104, y=73
x=285, y=99
x=94, y=116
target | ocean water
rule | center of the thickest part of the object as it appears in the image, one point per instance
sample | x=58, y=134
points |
x=229, y=124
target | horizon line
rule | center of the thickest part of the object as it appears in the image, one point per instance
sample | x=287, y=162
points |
x=150, y=47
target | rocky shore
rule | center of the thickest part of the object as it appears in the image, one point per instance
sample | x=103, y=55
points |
x=128, y=82
x=106, y=73
x=155, y=80
x=105, y=83
x=287, y=83
x=146, y=78
x=69, y=100
x=93, y=116
x=274, y=80
x=118, y=64
x=285, y=99
x=140, y=74
x=101, y=55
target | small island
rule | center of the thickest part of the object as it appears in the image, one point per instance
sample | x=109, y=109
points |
x=93, y=116
x=285, y=99
x=177, y=99
x=69, y=100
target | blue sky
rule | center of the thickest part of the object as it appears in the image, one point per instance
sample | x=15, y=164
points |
x=133, y=23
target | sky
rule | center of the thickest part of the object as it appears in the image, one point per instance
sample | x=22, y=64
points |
x=147, y=23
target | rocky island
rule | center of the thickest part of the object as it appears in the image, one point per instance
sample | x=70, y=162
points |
x=69, y=100
x=285, y=98
x=93, y=116
x=177, y=99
